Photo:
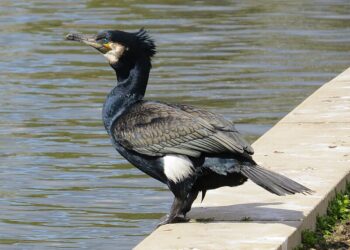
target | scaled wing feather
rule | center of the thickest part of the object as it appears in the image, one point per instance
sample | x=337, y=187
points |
x=157, y=129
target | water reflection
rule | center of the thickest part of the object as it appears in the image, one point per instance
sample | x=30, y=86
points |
x=62, y=184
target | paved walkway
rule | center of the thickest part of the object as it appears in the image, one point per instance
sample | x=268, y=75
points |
x=310, y=145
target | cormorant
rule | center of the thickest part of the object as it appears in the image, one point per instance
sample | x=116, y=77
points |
x=189, y=149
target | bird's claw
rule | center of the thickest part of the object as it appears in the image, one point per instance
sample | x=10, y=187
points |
x=177, y=219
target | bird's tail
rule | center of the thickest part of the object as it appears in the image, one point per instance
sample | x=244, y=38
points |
x=273, y=182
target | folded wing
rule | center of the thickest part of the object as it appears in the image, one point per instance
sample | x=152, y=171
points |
x=157, y=129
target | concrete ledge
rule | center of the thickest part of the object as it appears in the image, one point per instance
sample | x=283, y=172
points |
x=311, y=145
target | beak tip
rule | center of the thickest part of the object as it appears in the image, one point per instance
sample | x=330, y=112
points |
x=68, y=37
x=72, y=37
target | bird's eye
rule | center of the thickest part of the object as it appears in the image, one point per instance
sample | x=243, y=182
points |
x=105, y=40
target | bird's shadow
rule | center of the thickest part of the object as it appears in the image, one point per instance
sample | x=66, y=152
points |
x=257, y=212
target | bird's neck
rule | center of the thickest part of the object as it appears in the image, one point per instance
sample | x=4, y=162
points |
x=133, y=80
x=131, y=87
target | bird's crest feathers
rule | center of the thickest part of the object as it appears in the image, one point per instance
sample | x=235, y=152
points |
x=146, y=42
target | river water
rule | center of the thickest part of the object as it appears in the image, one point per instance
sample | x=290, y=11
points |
x=62, y=185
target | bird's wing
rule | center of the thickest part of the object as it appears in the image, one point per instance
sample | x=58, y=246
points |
x=219, y=122
x=156, y=129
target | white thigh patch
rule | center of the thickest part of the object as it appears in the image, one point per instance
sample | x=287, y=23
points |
x=177, y=167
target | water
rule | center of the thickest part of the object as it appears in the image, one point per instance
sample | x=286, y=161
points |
x=62, y=185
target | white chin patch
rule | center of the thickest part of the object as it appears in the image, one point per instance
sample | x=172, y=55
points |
x=177, y=167
x=117, y=50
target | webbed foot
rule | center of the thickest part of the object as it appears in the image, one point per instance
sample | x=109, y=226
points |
x=177, y=219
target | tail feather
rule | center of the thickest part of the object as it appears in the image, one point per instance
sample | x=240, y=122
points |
x=273, y=182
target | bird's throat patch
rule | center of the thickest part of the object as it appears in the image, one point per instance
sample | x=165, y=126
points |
x=115, y=52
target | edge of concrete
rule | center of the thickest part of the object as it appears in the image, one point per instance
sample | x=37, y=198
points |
x=311, y=145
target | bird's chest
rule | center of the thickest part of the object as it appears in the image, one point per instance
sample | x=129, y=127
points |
x=113, y=107
x=152, y=166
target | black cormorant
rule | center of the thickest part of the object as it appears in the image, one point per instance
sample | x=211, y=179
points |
x=189, y=149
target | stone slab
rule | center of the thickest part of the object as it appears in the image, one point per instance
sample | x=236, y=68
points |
x=212, y=235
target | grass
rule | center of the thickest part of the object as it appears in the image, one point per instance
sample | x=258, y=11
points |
x=332, y=229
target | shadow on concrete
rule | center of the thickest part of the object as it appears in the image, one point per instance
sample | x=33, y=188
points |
x=254, y=212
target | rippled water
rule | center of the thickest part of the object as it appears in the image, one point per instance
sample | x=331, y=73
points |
x=62, y=185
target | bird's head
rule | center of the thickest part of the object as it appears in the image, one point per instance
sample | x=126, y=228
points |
x=122, y=49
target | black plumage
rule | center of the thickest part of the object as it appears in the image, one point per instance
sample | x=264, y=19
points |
x=189, y=149
x=157, y=129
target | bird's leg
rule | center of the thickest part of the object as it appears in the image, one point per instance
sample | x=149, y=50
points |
x=188, y=202
x=175, y=211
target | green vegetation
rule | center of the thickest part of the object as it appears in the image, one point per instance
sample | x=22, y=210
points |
x=327, y=226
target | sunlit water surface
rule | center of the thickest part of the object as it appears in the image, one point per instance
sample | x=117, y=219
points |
x=62, y=185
